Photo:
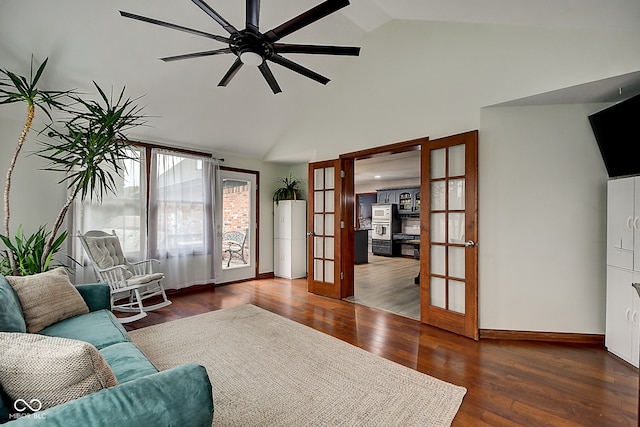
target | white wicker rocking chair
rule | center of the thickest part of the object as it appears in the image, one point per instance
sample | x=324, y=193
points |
x=130, y=283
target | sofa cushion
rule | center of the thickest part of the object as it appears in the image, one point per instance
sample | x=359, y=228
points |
x=4, y=407
x=47, y=298
x=11, y=318
x=99, y=328
x=127, y=361
x=50, y=370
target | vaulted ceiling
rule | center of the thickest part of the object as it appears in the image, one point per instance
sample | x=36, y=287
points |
x=89, y=40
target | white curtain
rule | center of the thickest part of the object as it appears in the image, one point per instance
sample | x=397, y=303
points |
x=182, y=222
x=124, y=212
x=182, y=227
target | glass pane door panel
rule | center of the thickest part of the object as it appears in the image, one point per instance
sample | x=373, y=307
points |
x=328, y=224
x=456, y=262
x=328, y=248
x=438, y=227
x=438, y=292
x=456, y=160
x=456, y=227
x=318, y=201
x=329, y=201
x=438, y=259
x=318, y=224
x=438, y=163
x=328, y=271
x=456, y=194
x=318, y=270
x=329, y=181
x=438, y=201
x=456, y=296
x=318, y=179
x=318, y=247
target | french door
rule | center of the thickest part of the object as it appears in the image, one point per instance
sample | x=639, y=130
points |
x=449, y=228
x=325, y=229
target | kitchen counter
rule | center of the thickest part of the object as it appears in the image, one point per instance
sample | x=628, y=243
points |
x=403, y=236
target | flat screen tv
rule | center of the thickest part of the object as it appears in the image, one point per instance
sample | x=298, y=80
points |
x=617, y=131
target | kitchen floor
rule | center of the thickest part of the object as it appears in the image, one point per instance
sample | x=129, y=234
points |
x=387, y=283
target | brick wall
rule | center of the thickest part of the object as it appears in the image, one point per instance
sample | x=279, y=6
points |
x=236, y=209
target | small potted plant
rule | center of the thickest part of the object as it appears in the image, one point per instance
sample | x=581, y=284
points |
x=290, y=189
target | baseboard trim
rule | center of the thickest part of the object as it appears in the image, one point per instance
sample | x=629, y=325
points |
x=268, y=275
x=497, y=334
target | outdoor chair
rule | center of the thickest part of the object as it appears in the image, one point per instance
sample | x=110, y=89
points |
x=131, y=283
x=233, y=243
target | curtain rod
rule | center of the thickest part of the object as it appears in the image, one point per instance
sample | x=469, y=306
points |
x=177, y=149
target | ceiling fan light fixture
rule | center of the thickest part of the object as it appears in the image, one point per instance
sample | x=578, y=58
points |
x=251, y=58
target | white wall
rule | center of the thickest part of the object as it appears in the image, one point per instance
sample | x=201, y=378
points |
x=416, y=79
x=35, y=196
x=541, y=182
x=542, y=216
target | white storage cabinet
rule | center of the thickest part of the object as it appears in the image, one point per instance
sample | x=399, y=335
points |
x=623, y=268
x=290, y=239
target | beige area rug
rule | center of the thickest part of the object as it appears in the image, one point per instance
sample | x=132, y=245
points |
x=267, y=370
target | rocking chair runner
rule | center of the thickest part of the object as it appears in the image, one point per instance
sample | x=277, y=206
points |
x=130, y=283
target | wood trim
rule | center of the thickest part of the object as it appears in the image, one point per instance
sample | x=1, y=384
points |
x=563, y=337
x=149, y=146
x=347, y=207
x=398, y=147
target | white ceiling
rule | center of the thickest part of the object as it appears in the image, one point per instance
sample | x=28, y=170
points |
x=88, y=40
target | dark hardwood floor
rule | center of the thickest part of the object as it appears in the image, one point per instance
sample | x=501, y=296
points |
x=509, y=383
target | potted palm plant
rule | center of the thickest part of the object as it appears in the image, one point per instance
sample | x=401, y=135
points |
x=289, y=190
x=87, y=146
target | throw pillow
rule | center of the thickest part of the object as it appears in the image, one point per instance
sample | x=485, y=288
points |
x=47, y=298
x=50, y=370
x=11, y=317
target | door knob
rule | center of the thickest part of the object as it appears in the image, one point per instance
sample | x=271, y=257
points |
x=470, y=243
x=310, y=233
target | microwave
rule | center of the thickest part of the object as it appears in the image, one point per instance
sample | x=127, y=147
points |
x=381, y=213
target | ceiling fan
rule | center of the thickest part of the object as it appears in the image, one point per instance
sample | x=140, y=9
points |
x=253, y=47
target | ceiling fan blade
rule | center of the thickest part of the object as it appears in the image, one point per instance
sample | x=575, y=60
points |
x=174, y=26
x=253, y=14
x=216, y=16
x=235, y=67
x=316, y=49
x=196, y=54
x=281, y=60
x=268, y=76
x=310, y=16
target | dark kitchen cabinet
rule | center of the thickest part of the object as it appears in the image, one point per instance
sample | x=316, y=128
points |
x=405, y=201
x=385, y=247
x=387, y=196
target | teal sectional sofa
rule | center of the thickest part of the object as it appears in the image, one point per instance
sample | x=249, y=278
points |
x=181, y=396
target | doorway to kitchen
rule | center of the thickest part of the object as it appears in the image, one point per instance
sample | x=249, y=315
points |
x=387, y=229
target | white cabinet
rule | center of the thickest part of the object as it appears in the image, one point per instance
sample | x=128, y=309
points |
x=290, y=239
x=623, y=268
x=623, y=303
x=620, y=222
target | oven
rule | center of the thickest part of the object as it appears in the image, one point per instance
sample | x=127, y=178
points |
x=381, y=230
